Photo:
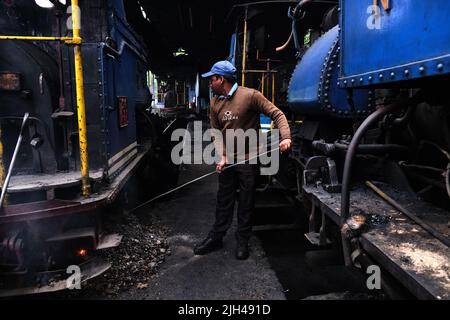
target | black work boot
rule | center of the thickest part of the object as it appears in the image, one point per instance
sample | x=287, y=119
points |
x=208, y=245
x=242, y=251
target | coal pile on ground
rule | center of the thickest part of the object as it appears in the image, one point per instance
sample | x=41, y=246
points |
x=134, y=262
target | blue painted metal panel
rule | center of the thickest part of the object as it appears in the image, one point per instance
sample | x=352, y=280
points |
x=410, y=41
x=314, y=91
x=232, y=55
x=265, y=123
x=305, y=83
x=123, y=74
x=121, y=80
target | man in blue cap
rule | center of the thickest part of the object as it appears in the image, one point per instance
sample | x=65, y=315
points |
x=234, y=107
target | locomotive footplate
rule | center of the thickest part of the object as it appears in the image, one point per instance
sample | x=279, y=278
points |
x=419, y=261
x=57, y=207
x=52, y=281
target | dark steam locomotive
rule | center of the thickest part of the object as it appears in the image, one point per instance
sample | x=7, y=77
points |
x=50, y=217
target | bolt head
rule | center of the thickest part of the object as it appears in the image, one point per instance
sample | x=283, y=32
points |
x=440, y=66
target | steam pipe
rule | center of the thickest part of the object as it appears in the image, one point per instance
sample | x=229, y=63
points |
x=352, y=150
x=330, y=148
x=81, y=105
x=293, y=15
x=284, y=46
x=374, y=148
x=13, y=160
x=345, y=195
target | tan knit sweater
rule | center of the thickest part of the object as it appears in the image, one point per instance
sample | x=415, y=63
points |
x=242, y=111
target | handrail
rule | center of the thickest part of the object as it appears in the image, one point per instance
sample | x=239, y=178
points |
x=76, y=40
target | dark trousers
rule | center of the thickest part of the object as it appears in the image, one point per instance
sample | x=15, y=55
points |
x=242, y=177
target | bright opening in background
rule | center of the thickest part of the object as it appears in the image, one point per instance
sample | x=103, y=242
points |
x=44, y=3
x=47, y=3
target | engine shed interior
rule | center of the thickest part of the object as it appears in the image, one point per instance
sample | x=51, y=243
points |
x=115, y=159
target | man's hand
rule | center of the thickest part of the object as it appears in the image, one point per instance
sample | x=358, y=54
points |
x=285, y=145
x=221, y=164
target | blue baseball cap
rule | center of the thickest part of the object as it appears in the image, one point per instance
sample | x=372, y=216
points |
x=221, y=68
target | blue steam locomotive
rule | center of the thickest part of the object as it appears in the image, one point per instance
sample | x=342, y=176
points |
x=372, y=150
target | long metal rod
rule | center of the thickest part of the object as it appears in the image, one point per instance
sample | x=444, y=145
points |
x=244, y=51
x=410, y=215
x=13, y=160
x=273, y=88
x=2, y=164
x=33, y=38
x=198, y=179
x=81, y=106
x=260, y=71
x=170, y=124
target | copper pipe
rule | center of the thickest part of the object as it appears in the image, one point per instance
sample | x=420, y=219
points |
x=284, y=46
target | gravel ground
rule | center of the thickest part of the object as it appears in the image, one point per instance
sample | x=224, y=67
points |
x=135, y=261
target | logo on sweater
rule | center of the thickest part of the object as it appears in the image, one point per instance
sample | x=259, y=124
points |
x=240, y=146
x=228, y=116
